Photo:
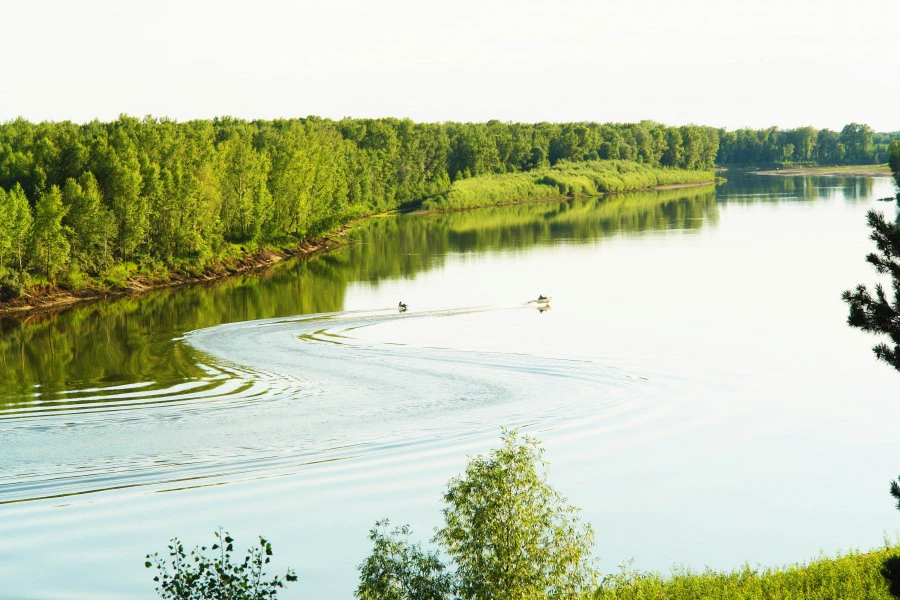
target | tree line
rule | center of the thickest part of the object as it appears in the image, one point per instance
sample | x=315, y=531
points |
x=104, y=200
x=855, y=144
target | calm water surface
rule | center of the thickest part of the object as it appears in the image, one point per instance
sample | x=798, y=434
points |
x=695, y=385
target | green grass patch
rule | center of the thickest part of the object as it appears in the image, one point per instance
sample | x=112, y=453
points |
x=562, y=180
x=853, y=575
x=118, y=276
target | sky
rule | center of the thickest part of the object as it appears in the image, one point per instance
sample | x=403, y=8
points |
x=728, y=64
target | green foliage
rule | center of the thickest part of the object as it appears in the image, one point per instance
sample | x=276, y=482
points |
x=51, y=248
x=177, y=194
x=91, y=225
x=400, y=570
x=855, y=144
x=563, y=179
x=118, y=276
x=202, y=576
x=13, y=285
x=879, y=313
x=17, y=222
x=853, y=575
x=894, y=162
x=509, y=533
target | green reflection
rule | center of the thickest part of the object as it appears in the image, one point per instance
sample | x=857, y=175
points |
x=132, y=340
x=749, y=188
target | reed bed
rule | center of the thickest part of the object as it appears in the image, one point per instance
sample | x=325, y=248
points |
x=560, y=181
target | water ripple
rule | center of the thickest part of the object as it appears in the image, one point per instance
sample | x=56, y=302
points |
x=279, y=395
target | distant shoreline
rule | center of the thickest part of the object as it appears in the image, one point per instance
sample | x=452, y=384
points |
x=848, y=171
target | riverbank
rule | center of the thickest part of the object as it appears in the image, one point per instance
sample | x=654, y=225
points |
x=50, y=297
x=853, y=575
x=847, y=171
x=564, y=180
x=560, y=182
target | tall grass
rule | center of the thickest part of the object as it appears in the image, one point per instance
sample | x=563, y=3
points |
x=562, y=180
x=850, y=576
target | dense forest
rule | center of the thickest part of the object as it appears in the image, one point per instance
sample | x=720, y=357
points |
x=100, y=202
x=855, y=144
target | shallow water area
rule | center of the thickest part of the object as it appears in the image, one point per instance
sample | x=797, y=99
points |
x=694, y=382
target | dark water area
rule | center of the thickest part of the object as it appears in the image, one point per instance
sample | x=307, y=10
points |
x=694, y=384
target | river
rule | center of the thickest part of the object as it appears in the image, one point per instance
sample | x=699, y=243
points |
x=695, y=385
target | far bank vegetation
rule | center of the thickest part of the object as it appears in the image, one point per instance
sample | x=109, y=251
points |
x=100, y=204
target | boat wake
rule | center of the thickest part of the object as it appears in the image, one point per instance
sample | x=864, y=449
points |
x=280, y=395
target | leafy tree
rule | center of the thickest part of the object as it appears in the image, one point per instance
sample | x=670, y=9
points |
x=91, y=225
x=129, y=205
x=674, y=153
x=19, y=222
x=5, y=237
x=51, y=248
x=879, y=314
x=246, y=199
x=857, y=139
x=509, y=533
x=894, y=162
x=198, y=576
x=400, y=570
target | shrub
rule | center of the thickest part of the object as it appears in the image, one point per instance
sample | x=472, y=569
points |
x=198, y=576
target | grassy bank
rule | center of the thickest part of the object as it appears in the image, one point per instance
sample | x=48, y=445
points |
x=562, y=180
x=852, y=575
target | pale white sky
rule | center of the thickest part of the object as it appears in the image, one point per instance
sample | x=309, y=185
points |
x=751, y=63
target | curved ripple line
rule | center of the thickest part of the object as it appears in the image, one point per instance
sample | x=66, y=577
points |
x=281, y=395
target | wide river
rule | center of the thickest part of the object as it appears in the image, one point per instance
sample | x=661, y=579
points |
x=695, y=385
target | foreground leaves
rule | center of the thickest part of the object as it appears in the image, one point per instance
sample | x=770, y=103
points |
x=217, y=575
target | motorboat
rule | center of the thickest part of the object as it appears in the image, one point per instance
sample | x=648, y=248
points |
x=401, y=307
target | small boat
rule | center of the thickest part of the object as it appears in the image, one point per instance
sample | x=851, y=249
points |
x=543, y=299
x=401, y=307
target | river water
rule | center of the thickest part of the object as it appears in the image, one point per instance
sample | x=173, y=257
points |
x=695, y=385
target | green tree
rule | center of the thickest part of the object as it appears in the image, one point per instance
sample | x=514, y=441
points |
x=400, y=570
x=674, y=154
x=198, y=576
x=246, y=200
x=894, y=162
x=51, y=246
x=129, y=206
x=19, y=222
x=91, y=225
x=510, y=535
x=5, y=237
x=880, y=314
x=857, y=139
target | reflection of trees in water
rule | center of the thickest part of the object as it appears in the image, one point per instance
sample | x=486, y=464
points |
x=405, y=245
x=131, y=339
x=747, y=188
